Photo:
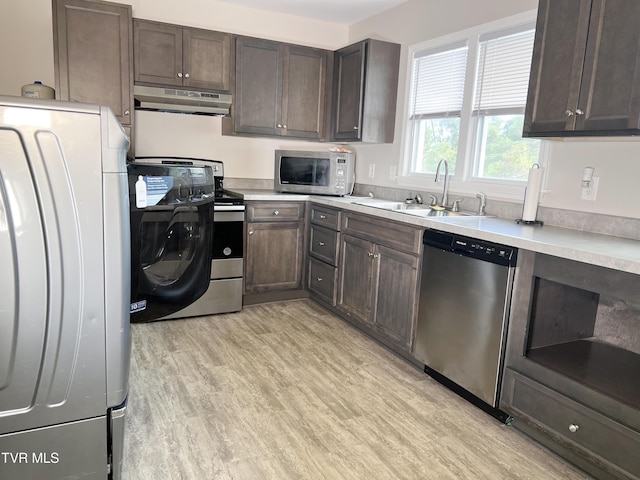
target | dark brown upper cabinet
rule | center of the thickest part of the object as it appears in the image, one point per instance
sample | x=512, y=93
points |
x=585, y=74
x=281, y=90
x=365, y=90
x=171, y=55
x=92, y=50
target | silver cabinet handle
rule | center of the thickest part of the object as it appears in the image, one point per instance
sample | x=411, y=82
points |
x=276, y=213
x=370, y=254
x=322, y=217
x=568, y=114
x=186, y=75
x=319, y=279
x=579, y=111
x=279, y=125
x=179, y=74
x=375, y=255
x=250, y=232
x=355, y=127
x=573, y=428
x=321, y=244
x=126, y=113
x=284, y=126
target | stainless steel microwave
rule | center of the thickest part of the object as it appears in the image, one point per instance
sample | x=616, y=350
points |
x=318, y=173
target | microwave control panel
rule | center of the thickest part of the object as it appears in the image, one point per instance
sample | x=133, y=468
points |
x=341, y=177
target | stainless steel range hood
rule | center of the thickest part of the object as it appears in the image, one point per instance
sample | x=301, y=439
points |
x=181, y=101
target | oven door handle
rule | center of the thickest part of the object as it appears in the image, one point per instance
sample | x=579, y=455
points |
x=228, y=208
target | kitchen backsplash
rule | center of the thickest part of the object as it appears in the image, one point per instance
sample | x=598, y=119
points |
x=583, y=221
x=587, y=222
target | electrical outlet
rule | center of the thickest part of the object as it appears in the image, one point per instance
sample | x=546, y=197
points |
x=372, y=170
x=590, y=192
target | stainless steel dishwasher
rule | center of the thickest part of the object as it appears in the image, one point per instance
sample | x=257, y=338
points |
x=463, y=315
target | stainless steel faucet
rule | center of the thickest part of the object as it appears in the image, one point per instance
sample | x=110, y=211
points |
x=445, y=190
x=483, y=203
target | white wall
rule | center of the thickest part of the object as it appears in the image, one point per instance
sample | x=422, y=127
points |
x=26, y=36
x=617, y=162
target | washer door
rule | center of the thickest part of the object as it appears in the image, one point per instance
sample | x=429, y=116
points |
x=171, y=258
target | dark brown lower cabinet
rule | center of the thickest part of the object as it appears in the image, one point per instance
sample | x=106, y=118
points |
x=274, y=247
x=572, y=360
x=377, y=283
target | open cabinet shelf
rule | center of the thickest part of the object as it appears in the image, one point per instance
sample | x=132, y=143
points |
x=606, y=368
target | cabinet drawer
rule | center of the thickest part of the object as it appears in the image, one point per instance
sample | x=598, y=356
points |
x=384, y=232
x=275, y=211
x=322, y=280
x=323, y=244
x=327, y=217
x=595, y=432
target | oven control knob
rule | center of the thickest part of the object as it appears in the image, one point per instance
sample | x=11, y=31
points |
x=226, y=251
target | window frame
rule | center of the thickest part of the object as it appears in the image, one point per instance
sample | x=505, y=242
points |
x=463, y=181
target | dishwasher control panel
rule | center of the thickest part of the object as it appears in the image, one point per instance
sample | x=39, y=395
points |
x=471, y=247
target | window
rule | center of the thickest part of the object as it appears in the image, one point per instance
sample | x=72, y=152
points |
x=466, y=105
x=436, y=106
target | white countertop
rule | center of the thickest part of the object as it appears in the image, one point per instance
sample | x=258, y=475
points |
x=604, y=250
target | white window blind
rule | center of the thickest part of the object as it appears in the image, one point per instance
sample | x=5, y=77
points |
x=504, y=62
x=438, y=82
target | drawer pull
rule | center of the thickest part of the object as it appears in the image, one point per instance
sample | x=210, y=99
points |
x=321, y=244
x=573, y=428
x=319, y=279
x=276, y=213
x=370, y=254
x=250, y=232
x=322, y=217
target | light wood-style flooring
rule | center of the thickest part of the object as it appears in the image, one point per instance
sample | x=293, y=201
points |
x=288, y=391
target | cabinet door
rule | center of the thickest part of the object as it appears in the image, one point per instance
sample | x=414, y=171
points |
x=206, y=59
x=258, y=98
x=158, y=53
x=304, y=92
x=610, y=93
x=93, y=50
x=556, y=68
x=356, y=273
x=396, y=293
x=348, y=89
x=274, y=256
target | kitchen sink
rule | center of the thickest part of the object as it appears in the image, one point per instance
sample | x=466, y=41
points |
x=416, y=209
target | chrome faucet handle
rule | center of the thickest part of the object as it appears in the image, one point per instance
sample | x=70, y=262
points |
x=483, y=202
x=418, y=198
x=433, y=200
x=455, y=207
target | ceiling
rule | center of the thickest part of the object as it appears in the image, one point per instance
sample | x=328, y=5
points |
x=335, y=11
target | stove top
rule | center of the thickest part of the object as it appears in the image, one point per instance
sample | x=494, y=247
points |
x=226, y=198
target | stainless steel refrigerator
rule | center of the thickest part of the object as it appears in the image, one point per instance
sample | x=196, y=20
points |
x=64, y=290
